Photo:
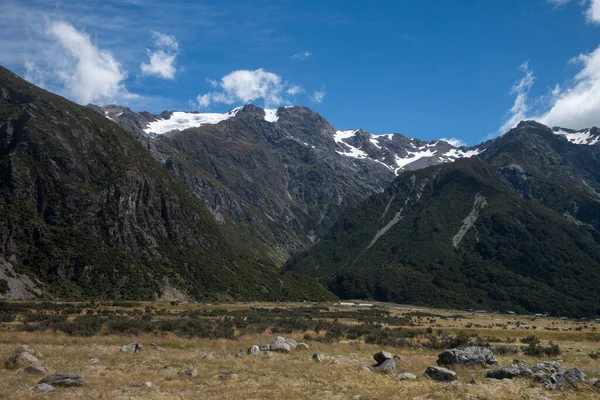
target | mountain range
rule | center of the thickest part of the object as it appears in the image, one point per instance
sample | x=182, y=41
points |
x=105, y=202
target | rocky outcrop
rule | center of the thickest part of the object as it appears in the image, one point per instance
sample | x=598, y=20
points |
x=473, y=355
x=440, y=374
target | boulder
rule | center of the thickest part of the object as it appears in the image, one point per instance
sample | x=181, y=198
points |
x=440, y=374
x=94, y=361
x=265, y=347
x=21, y=360
x=546, y=367
x=65, y=380
x=208, y=356
x=473, y=355
x=317, y=358
x=406, y=376
x=292, y=343
x=510, y=372
x=387, y=366
x=381, y=356
x=226, y=375
x=280, y=347
x=366, y=367
x=28, y=349
x=157, y=347
x=565, y=378
x=240, y=354
x=254, y=350
x=302, y=346
x=36, y=370
x=44, y=387
x=188, y=373
x=133, y=347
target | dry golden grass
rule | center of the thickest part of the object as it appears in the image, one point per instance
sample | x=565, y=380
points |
x=276, y=376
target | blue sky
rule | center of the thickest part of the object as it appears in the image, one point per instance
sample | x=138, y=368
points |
x=468, y=69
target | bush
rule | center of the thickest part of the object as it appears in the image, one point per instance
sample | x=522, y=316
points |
x=81, y=326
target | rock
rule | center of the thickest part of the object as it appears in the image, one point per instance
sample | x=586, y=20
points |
x=357, y=397
x=227, y=375
x=208, y=356
x=387, y=366
x=597, y=384
x=157, y=347
x=317, y=357
x=254, y=350
x=473, y=355
x=440, y=374
x=510, y=372
x=18, y=387
x=188, y=373
x=334, y=362
x=280, y=347
x=381, y=356
x=133, y=347
x=148, y=385
x=540, y=377
x=547, y=367
x=240, y=354
x=93, y=361
x=265, y=347
x=20, y=360
x=36, y=370
x=366, y=367
x=28, y=349
x=62, y=379
x=302, y=346
x=292, y=343
x=280, y=339
x=44, y=387
x=406, y=376
x=570, y=377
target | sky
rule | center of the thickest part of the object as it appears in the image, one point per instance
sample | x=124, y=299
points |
x=463, y=69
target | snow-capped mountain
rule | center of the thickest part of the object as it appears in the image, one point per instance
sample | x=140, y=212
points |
x=589, y=136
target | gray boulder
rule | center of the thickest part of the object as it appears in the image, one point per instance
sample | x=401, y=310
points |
x=317, y=358
x=94, y=361
x=280, y=347
x=472, y=355
x=265, y=347
x=302, y=346
x=240, y=354
x=44, y=387
x=65, y=380
x=546, y=367
x=406, y=376
x=387, y=366
x=292, y=343
x=440, y=374
x=133, y=347
x=254, y=350
x=157, y=347
x=208, y=356
x=21, y=360
x=188, y=373
x=36, y=370
x=571, y=377
x=381, y=356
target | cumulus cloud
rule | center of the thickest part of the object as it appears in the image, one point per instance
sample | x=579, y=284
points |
x=303, y=55
x=162, y=59
x=78, y=68
x=520, y=108
x=243, y=86
x=318, y=96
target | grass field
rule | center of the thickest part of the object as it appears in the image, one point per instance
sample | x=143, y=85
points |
x=69, y=334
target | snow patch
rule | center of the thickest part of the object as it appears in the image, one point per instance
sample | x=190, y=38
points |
x=271, y=115
x=181, y=120
x=351, y=151
x=583, y=137
x=458, y=153
x=416, y=155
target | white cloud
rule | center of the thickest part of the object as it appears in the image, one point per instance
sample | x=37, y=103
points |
x=303, y=55
x=592, y=11
x=454, y=142
x=294, y=90
x=162, y=60
x=77, y=68
x=318, y=96
x=243, y=86
x=520, y=108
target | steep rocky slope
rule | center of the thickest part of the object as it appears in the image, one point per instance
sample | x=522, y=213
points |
x=86, y=212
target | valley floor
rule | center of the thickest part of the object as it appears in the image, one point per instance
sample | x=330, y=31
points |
x=284, y=375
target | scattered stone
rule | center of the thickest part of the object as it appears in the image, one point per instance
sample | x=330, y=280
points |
x=280, y=339
x=254, y=350
x=387, y=366
x=334, y=362
x=133, y=347
x=302, y=346
x=440, y=374
x=280, y=347
x=28, y=349
x=366, y=367
x=473, y=355
x=381, y=356
x=36, y=370
x=227, y=375
x=148, y=385
x=317, y=358
x=547, y=367
x=570, y=377
x=406, y=376
x=93, y=361
x=20, y=360
x=510, y=372
x=44, y=387
x=240, y=354
x=157, y=347
x=65, y=380
x=208, y=356
x=265, y=347
x=188, y=373
x=540, y=377
x=597, y=384
x=292, y=343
